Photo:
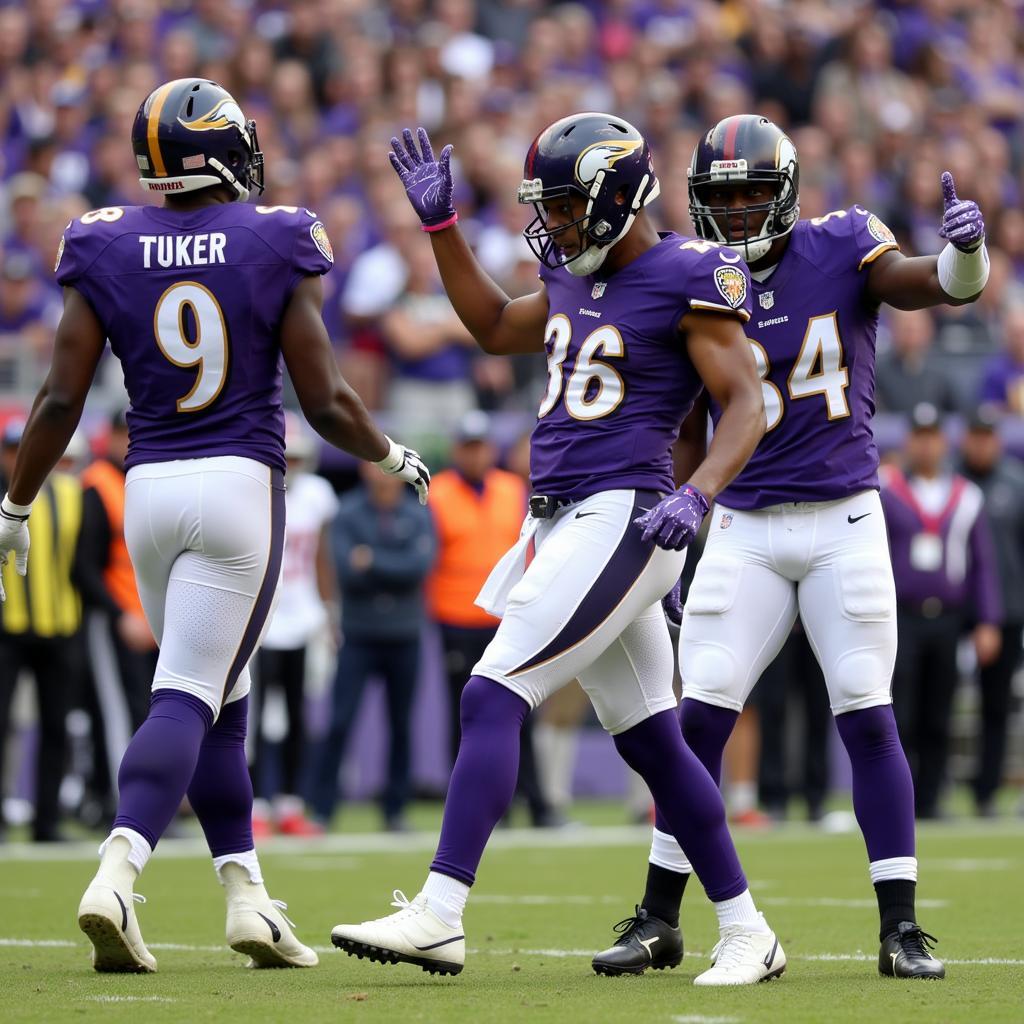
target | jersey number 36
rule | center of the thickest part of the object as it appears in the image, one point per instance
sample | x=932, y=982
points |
x=593, y=388
x=190, y=331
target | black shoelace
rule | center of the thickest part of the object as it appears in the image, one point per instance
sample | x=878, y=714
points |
x=628, y=925
x=916, y=942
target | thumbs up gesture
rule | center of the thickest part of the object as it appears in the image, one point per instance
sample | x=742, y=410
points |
x=962, y=223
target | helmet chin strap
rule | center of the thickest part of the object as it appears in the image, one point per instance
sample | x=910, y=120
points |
x=589, y=260
x=752, y=250
x=593, y=256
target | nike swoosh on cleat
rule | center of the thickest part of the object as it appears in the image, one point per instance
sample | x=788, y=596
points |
x=124, y=912
x=892, y=956
x=436, y=945
x=580, y=515
x=770, y=958
x=857, y=519
x=647, y=943
x=275, y=932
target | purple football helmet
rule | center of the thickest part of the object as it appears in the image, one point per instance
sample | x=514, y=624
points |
x=597, y=157
x=740, y=149
x=191, y=134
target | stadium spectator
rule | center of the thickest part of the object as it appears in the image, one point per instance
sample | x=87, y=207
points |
x=431, y=351
x=792, y=688
x=477, y=516
x=946, y=583
x=121, y=646
x=306, y=603
x=1001, y=479
x=905, y=375
x=38, y=626
x=1003, y=380
x=383, y=549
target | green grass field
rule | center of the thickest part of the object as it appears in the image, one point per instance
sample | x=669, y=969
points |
x=544, y=902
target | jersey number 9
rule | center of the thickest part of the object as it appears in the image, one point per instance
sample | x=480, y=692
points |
x=208, y=349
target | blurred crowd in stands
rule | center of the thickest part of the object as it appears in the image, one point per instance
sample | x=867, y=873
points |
x=879, y=97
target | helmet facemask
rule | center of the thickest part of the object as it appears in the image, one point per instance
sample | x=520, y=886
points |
x=603, y=223
x=246, y=172
x=781, y=212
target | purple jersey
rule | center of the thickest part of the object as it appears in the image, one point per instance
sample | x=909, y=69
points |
x=813, y=334
x=619, y=379
x=192, y=303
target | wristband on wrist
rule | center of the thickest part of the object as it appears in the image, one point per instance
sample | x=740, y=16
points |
x=698, y=494
x=394, y=458
x=446, y=223
x=11, y=510
x=962, y=275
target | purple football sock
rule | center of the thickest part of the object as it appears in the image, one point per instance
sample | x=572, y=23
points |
x=883, y=792
x=221, y=788
x=483, y=780
x=706, y=730
x=159, y=762
x=688, y=799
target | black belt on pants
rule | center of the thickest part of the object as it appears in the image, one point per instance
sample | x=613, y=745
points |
x=544, y=506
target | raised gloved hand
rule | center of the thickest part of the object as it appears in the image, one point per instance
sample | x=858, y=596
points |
x=962, y=223
x=428, y=182
x=14, y=538
x=675, y=520
x=672, y=604
x=407, y=465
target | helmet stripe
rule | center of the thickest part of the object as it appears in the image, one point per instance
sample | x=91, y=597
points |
x=153, y=123
x=729, y=146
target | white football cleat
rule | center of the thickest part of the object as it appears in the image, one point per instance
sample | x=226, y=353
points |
x=415, y=935
x=257, y=926
x=108, y=919
x=744, y=957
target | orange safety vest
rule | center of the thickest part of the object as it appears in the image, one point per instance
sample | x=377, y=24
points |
x=473, y=531
x=119, y=576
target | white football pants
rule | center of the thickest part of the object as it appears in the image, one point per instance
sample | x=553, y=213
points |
x=827, y=560
x=588, y=606
x=205, y=537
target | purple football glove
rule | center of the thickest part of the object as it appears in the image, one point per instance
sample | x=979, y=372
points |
x=675, y=520
x=428, y=182
x=672, y=604
x=962, y=223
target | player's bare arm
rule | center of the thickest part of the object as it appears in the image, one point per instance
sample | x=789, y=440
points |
x=500, y=325
x=722, y=356
x=333, y=409
x=691, y=448
x=78, y=345
x=955, y=277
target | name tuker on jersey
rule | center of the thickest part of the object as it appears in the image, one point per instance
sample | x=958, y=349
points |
x=183, y=250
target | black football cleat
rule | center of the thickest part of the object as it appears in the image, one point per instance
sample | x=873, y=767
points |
x=646, y=942
x=905, y=954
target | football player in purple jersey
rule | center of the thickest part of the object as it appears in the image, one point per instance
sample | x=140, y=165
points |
x=200, y=298
x=634, y=324
x=800, y=530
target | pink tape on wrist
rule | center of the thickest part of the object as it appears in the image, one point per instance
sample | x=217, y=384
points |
x=444, y=224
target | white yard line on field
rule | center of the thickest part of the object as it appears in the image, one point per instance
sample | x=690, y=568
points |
x=697, y=1018
x=560, y=954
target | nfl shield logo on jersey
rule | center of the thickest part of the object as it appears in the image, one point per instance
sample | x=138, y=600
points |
x=726, y=521
x=767, y=299
x=598, y=290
